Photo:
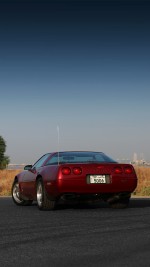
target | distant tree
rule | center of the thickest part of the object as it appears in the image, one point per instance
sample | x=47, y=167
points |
x=4, y=160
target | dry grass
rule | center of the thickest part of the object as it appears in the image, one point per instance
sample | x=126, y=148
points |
x=6, y=180
x=143, y=187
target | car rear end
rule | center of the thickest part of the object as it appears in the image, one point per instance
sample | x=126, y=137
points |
x=95, y=178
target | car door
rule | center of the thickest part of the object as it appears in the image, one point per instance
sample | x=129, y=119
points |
x=28, y=181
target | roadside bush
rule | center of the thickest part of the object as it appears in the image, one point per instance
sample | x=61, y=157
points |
x=4, y=160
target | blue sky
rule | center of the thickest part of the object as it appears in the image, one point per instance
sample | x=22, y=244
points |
x=82, y=65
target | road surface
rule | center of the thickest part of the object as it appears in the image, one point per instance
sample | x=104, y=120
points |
x=94, y=235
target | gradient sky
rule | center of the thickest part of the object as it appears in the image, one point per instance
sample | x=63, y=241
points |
x=82, y=65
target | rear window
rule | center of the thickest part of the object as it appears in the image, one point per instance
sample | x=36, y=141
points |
x=79, y=157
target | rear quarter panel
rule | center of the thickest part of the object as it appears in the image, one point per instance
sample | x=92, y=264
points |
x=50, y=178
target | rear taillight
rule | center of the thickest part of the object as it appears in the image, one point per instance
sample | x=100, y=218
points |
x=66, y=171
x=77, y=171
x=128, y=170
x=118, y=170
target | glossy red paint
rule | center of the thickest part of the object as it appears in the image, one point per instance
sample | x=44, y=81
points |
x=102, y=179
x=79, y=184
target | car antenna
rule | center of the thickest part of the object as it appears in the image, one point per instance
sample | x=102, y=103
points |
x=58, y=142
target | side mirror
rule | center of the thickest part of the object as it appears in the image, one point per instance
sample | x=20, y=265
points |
x=28, y=167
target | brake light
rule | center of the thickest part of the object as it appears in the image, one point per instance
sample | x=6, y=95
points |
x=66, y=171
x=118, y=170
x=128, y=170
x=77, y=171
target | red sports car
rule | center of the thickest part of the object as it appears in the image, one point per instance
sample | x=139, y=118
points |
x=79, y=175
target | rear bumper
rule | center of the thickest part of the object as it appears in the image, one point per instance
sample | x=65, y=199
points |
x=83, y=187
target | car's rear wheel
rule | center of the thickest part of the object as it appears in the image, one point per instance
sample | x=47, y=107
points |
x=15, y=192
x=43, y=202
x=120, y=204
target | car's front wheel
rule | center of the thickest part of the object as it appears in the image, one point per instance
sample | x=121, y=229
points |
x=15, y=192
x=43, y=202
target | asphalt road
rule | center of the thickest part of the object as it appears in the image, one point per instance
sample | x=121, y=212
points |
x=93, y=235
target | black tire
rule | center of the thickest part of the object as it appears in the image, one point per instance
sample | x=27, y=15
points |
x=120, y=204
x=43, y=202
x=15, y=192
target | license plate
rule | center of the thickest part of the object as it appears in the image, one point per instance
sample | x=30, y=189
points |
x=97, y=179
